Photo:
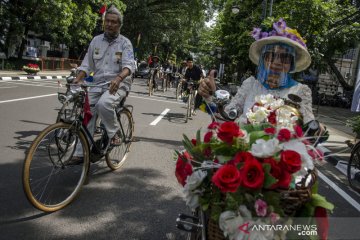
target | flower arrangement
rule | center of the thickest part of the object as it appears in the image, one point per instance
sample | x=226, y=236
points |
x=244, y=174
x=279, y=28
x=31, y=68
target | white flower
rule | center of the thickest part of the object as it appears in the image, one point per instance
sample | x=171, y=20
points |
x=239, y=226
x=192, y=183
x=263, y=149
x=276, y=104
x=229, y=223
x=257, y=115
x=300, y=148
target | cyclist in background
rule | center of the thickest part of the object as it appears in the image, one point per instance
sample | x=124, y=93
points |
x=193, y=73
x=155, y=68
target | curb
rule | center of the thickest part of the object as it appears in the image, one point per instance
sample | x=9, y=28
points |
x=32, y=77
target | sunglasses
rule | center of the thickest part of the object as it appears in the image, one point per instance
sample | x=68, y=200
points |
x=283, y=57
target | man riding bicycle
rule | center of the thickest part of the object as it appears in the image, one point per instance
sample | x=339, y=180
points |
x=110, y=56
x=193, y=73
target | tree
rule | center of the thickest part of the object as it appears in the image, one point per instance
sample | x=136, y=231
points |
x=330, y=27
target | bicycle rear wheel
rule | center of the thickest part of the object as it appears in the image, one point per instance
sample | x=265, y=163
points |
x=116, y=157
x=353, y=169
x=51, y=180
x=151, y=88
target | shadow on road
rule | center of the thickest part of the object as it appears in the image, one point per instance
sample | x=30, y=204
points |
x=125, y=204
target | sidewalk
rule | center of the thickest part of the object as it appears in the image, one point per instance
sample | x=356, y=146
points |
x=21, y=75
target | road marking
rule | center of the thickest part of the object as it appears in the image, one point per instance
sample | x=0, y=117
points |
x=9, y=87
x=33, y=84
x=160, y=117
x=22, y=99
x=346, y=196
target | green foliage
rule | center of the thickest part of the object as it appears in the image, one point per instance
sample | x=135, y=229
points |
x=354, y=123
x=330, y=27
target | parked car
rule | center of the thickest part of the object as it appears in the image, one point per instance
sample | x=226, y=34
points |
x=143, y=70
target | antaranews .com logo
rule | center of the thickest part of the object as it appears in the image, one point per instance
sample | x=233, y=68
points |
x=301, y=229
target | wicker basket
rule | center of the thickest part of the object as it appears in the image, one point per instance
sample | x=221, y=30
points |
x=214, y=232
x=293, y=199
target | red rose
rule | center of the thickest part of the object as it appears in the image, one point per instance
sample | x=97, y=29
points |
x=183, y=170
x=283, y=177
x=241, y=157
x=270, y=131
x=298, y=131
x=228, y=130
x=252, y=174
x=208, y=137
x=193, y=141
x=213, y=125
x=227, y=178
x=272, y=117
x=284, y=181
x=291, y=160
x=284, y=135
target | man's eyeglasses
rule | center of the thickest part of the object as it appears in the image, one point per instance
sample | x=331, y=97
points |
x=282, y=57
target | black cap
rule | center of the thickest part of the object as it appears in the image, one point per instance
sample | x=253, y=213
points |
x=189, y=59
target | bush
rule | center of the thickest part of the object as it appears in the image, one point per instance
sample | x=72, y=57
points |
x=354, y=123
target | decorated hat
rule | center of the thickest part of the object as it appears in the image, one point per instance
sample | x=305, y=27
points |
x=280, y=34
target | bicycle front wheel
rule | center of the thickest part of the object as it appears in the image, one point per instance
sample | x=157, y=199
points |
x=189, y=107
x=116, y=157
x=178, y=91
x=353, y=169
x=51, y=179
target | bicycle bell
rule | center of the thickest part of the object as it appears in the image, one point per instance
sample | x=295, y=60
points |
x=222, y=95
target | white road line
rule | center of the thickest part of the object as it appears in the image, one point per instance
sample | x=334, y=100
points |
x=155, y=99
x=35, y=85
x=22, y=99
x=346, y=196
x=9, y=87
x=160, y=117
x=6, y=78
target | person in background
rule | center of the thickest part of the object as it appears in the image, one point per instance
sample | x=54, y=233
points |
x=193, y=73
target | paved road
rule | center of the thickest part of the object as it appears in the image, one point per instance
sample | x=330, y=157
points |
x=139, y=201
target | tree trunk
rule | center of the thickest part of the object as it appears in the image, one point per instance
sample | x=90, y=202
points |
x=23, y=42
x=338, y=75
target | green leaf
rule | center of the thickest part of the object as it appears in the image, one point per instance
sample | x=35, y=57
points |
x=319, y=201
x=269, y=179
x=256, y=135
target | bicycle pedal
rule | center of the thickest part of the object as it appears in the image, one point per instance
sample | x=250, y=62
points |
x=188, y=223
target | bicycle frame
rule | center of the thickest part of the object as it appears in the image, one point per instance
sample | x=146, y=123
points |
x=80, y=126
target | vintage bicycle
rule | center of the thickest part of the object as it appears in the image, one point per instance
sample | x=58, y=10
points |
x=51, y=178
x=353, y=167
